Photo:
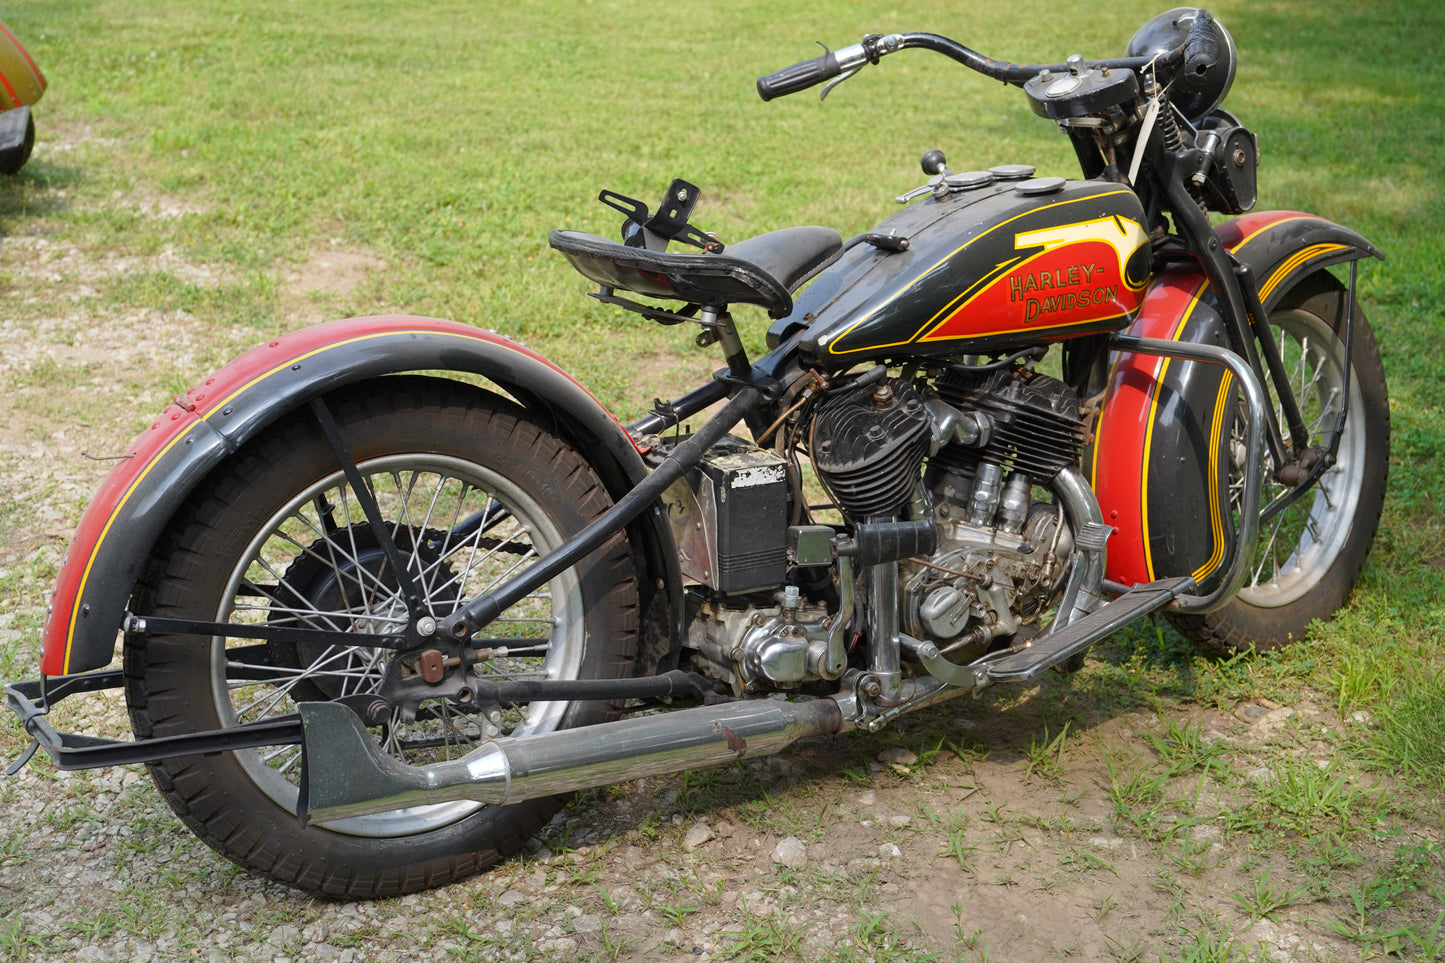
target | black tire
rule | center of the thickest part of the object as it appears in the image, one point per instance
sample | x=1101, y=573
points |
x=13, y=159
x=1310, y=555
x=279, y=517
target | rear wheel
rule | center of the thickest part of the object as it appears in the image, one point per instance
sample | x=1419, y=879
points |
x=1308, y=556
x=472, y=490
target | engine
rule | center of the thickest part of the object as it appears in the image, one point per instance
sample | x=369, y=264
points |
x=1000, y=552
x=969, y=451
x=986, y=438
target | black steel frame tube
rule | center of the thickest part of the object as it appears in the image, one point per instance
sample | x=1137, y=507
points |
x=480, y=611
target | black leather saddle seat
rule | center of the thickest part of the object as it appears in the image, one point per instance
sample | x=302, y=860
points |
x=762, y=270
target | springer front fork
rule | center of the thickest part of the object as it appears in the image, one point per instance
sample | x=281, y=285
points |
x=1247, y=324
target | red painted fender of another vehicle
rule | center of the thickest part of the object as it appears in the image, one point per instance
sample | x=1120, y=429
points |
x=21, y=82
x=206, y=424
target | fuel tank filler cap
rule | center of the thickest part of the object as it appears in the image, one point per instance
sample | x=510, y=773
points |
x=1012, y=172
x=1040, y=185
x=968, y=180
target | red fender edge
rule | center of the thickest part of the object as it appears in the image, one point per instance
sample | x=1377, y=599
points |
x=203, y=426
x=1281, y=248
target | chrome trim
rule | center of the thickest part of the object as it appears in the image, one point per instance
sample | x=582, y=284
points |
x=347, y=775
x=1257, y=415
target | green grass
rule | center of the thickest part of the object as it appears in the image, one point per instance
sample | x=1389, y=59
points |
x=446, y=139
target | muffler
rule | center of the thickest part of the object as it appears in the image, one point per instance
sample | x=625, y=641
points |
x=346, y=774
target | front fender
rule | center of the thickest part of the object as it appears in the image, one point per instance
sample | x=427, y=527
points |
x=1159, y=460
x=205, y=425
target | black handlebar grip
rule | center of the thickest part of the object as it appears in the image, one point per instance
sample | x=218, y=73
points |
x=1201, y=49
x=798, y=77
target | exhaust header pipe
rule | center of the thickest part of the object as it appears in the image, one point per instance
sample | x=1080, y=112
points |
x=345, y=774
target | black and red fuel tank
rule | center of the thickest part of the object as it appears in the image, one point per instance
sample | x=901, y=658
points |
x=992, y=261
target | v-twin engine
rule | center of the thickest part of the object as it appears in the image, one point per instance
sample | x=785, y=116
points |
x=1000, y=552
x=973, y=452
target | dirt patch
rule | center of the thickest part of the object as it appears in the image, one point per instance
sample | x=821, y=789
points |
x=334, y=270
x=326, y=285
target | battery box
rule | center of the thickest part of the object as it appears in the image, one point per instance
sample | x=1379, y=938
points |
x=731, y=523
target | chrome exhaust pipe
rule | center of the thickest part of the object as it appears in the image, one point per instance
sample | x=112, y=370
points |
x=345, y=773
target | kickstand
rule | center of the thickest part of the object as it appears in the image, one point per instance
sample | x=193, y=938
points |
x=25, y=757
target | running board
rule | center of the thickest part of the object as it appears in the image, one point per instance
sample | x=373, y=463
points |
x=1056, y=647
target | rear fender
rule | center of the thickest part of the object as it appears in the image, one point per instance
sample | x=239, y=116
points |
x=208, y=423
x=1160, y=455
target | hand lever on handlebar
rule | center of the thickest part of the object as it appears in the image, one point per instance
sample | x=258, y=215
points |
x=833, y=63
x=828, y=87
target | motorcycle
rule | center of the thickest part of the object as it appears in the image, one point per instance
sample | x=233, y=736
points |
x=389, y=588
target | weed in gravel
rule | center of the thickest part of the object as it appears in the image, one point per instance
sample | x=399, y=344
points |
x=964, y=934
x=457, y=926
x=994, y=813
x=17, y=942
x=1390, y=909
x=1413, y=872
x=1163, y=882
x=1006, y=836
x=1183, y=749
x=1210, y=946
x=1301, y=797
x=1322, y=860
x=1429, y=943
x=1263, y=898
x=1137, y=798
x=98, y=926
x=1190, y=856
x=874, y=938
x=1122, y=952
x=1105, y=905
x=1359, y=926
x=952, y=829
x=1081, y=859
x=676, y=914
x=768, y=816
x=762, y=939
x=613, y=946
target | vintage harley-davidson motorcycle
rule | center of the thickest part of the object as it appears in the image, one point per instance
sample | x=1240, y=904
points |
x=388, y=588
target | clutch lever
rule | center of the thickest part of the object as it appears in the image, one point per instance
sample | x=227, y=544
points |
x=828, y=87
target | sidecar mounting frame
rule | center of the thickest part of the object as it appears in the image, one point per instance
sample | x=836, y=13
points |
x=33, y=699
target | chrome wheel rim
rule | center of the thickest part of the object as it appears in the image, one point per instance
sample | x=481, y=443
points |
x=427, y=494
x=1298, y=546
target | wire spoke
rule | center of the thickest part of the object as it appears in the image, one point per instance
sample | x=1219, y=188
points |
x=319, y=565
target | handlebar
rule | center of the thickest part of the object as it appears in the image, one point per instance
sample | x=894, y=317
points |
x=809, y=73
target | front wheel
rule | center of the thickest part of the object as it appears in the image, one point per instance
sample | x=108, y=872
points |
x=1308, y=557
x=471, y=490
